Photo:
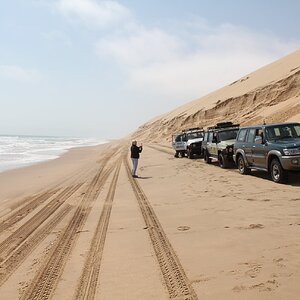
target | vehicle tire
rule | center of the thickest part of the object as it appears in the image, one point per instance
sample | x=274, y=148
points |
x=176, y=154
x=243, y=169
x=277, y=173
x=223, y=163
x=189, y=154
x=207, y=158
x=182, y=154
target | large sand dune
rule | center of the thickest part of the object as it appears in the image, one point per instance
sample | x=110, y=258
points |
x=270, y=94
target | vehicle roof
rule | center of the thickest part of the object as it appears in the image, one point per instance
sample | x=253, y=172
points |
x=269, y=125
x=192, y=130
x=222, y=128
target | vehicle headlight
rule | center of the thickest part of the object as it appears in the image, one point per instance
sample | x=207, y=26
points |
x=292, y=151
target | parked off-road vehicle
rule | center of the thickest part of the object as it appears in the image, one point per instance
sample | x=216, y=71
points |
x=218, y=143
x=274, y=148
x=188, y=142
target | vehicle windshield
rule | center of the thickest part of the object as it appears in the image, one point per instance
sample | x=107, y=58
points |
x=228, y=134
x=194, y=135
x=283, y=131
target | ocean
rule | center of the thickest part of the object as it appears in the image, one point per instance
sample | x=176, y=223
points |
x=20, y=151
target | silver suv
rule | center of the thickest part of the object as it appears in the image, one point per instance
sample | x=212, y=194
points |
x=218, y=143
x=188, y=142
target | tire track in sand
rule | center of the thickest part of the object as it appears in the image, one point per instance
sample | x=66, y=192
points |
x=29, y=204
x=88, y=281
x=46, y=279
x=16, y=258
x=32, y=203
x=163, y=149
x=12, y=242
x=175, y=279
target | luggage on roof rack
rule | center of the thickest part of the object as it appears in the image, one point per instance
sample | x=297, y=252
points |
x=224, y=124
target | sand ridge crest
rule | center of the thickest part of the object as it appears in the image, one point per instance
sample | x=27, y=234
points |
x=271, y=94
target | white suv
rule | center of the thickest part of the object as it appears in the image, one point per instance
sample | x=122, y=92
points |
x=188, y=142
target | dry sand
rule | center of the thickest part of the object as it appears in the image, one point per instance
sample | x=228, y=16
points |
x=270, y=94
x=80, y=227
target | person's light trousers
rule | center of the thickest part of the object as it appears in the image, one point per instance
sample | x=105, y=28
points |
x=134, y=165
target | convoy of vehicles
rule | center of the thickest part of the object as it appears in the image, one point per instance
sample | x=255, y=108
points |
x=188, y=142
x=274, y=148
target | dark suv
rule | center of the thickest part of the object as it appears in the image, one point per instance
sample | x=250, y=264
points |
x=273, y=148
x=218, y=143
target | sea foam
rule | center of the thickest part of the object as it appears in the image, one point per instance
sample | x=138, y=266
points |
x=20, y=151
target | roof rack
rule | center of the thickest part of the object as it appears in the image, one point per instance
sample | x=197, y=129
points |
x=224, y=125
x=192, y=129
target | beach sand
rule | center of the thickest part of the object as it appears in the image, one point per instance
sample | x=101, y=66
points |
x=80, y=227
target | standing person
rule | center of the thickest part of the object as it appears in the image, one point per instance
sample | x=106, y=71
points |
x=135, y=155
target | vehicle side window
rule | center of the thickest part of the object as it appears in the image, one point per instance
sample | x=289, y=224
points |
x=259, y=132
x=242, y=135
x=251, y=135
x=178, y=138
x=297, y=129
x=184, y=138
x=210, y=136
x=205, y=136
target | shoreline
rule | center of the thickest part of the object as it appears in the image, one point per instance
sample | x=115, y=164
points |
x=63, y=152
x=18, y=182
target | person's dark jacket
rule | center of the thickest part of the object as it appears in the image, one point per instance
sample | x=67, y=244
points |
x=135, y=151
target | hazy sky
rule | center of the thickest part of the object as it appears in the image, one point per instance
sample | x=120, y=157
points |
x=102, y=68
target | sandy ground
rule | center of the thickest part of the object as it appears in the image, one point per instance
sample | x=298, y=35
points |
x=80, y=227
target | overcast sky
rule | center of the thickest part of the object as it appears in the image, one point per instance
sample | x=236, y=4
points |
x=102, y=68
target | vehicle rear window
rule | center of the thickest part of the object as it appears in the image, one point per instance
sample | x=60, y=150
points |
x=242, y=135
x=228, y=134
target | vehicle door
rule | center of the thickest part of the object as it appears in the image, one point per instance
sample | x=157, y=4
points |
x=241, y=143
x=204, y=143
x=258, y=149
x=209, y=144
x=179, y=143
x=214, y=144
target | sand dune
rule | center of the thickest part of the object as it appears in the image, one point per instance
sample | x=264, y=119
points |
x=271, y=94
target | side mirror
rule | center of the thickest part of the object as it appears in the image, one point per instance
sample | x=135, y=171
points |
x=258, y=140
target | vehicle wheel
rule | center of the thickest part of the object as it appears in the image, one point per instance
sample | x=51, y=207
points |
x=207, y=158
x=189, y=154
x=223, y=163
x=182, y=154
x=277, y=173
x=176, y=154
x=243, y=169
